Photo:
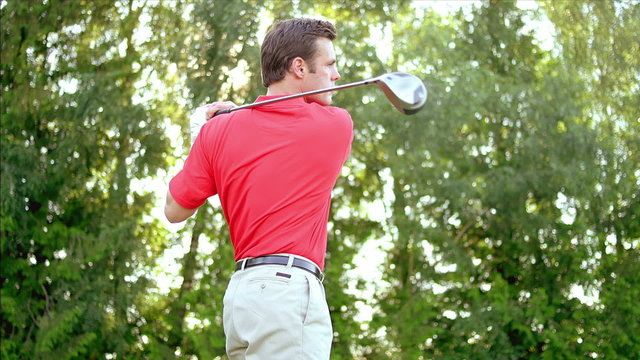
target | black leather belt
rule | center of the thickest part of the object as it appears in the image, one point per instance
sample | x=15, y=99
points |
x=281, y=260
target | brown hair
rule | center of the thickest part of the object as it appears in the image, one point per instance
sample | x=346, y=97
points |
x=289, y=39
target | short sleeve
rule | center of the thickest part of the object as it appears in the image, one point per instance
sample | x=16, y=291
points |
x=195, y=182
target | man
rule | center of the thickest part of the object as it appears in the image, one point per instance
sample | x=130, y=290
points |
x=273, y=167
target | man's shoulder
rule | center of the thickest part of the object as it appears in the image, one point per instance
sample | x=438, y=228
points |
x=337, y=112
x=224, y=120
x=218, y=125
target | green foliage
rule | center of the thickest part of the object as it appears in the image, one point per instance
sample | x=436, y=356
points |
x=512, y=192
x=74, y=139
x=492, y=196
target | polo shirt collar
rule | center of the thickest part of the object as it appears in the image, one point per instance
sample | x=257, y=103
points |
x=289, y=102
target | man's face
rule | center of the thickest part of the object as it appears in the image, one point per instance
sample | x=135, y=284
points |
x=325, y=74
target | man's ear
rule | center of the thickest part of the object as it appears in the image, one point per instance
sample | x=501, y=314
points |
x=298, y=67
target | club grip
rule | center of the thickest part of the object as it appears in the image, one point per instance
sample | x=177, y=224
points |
x=224, y=111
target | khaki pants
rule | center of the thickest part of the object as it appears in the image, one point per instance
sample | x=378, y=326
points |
x=276, y=312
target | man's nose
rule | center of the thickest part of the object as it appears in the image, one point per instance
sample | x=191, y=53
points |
x=336, y=76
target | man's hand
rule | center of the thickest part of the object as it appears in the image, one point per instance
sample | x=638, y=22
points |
x=217, y=106
x=203, y=114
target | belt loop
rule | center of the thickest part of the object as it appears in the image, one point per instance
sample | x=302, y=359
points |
x=244, y=263
x=290, y=262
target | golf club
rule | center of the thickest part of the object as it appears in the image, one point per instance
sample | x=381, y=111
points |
x=406, y=92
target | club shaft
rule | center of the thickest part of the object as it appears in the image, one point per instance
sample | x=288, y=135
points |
x=312, y=92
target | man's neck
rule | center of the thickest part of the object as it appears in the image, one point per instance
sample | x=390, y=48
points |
x=283, y=87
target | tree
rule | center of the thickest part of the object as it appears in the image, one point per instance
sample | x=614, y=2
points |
x=489, y=223
x=515, y=190
x=597, y=39
x=74, y=139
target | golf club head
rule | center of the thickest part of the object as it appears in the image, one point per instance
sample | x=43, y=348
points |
x=406, y=92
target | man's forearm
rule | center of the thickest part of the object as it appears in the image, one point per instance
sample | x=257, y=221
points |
x=175, y=212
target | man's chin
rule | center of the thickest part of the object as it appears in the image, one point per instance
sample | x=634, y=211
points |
x=327, y=99
x=324, y=101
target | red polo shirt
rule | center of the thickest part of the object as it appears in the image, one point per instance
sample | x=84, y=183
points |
x=274, y=167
